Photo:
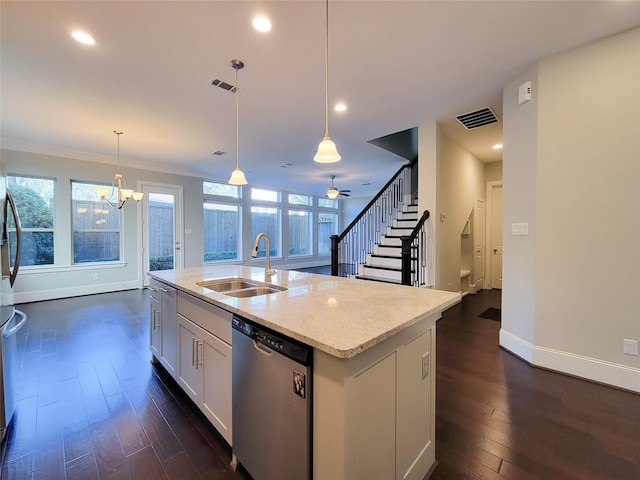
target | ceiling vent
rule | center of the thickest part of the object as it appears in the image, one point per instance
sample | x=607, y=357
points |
x=479, y=118
x=224, y=85
x=218, y=153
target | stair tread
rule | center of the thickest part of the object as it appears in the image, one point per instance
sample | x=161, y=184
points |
x=378, y=279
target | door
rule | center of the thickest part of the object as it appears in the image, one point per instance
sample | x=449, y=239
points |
x=495, y=233
x=479, y=222
x=162, y=236
x=216, y=378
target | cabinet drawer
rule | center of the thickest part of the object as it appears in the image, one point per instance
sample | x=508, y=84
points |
x=213, y=319
x=155, y=286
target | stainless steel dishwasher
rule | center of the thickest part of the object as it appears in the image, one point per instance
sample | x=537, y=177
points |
x=271, y=403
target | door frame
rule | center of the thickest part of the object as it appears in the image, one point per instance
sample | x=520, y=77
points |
x=489, y=233
x=178, y=191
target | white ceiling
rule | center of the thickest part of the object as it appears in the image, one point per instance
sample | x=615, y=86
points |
x=396, y=64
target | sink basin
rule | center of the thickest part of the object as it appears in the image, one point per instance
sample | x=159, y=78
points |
x=254, y=292
x=240, y=287
x=226, y=284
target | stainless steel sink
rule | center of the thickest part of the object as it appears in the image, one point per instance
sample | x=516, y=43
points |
x=254, y=292
x=240, y=287
x=226, y=284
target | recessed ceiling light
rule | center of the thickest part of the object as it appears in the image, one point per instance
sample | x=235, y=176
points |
x=262, y=24
x=83, y=37
x=497, y=146
x=340, y=107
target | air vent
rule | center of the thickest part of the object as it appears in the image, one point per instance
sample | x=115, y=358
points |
x=224, y=85
x=479, y=118
x=218, y=153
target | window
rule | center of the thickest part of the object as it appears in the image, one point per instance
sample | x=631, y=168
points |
x=35, y=202
x=300, y=232
x=95, y=225
x=161, y=231
x=296, y=199
x=221, y=231
x=267, y=220
x=327, y=203
x=221, y=189
x=327, y=226
x=265, y=195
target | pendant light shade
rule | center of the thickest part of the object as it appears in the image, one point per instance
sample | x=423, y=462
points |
x=327, y=151
x=237, y=176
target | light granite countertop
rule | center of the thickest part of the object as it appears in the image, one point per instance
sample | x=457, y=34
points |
x=340, y=316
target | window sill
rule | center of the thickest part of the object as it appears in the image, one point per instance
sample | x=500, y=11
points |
x=40, y=269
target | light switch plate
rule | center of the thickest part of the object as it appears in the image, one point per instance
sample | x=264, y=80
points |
x=519, y=229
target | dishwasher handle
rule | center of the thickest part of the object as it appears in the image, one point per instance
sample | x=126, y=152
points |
x=263, y=349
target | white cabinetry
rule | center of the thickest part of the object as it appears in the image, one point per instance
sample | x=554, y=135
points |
x=377, y=413
x=163, y=325
x=204, y=359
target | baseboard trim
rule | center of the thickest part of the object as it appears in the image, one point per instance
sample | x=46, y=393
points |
x=593, y=369
x=56, y=293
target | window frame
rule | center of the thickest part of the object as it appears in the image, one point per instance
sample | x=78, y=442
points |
x=73, y=230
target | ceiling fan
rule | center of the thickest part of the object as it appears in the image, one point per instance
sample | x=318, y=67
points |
x=333, y=192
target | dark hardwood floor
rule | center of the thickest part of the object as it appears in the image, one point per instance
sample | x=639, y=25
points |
x=91, y=406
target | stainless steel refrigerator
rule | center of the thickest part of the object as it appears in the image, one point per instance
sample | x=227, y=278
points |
x=11, y=319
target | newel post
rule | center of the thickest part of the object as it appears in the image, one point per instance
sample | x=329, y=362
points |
x=334, y=255
x=406, y=259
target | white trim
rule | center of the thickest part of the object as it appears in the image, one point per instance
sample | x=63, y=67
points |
x=40, y=269
x=594, y=369
x=54, y=293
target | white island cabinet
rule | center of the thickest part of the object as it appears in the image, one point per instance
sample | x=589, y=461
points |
x=373, y=362
x=163, y=325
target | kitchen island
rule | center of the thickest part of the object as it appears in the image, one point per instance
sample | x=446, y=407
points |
x=373, y=361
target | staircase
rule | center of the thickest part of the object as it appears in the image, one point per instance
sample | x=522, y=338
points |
x=384, y=264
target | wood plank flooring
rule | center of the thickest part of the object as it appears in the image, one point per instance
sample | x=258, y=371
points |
x=91, y=406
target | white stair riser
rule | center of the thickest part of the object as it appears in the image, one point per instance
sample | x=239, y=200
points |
x=396, y=232
x=385, y=250
x=385, y=274
x=390, y=241
x=405, y=223
x=384, y=262
x=408, y=216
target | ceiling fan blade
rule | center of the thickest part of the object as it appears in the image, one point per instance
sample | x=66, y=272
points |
x=348, y=191
x=344, y=194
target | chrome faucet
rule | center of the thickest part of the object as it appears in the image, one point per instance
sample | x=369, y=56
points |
x=267, y=268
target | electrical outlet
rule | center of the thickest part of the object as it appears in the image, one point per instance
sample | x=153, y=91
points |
x=630, y=347
x=96, y=276
x=425, y=365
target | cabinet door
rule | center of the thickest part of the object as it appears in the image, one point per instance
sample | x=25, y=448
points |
x=155, y=335
x=216, y=388
x=169, y=330
x=189, y=372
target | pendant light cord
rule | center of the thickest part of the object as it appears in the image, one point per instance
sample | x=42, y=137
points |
x=326, y=72
x=237, y=122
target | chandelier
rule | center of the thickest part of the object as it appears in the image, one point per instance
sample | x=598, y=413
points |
x=117, y=195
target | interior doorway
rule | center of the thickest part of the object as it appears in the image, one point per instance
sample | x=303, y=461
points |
x=494, y=234
x=479, y=244
x=162, y=232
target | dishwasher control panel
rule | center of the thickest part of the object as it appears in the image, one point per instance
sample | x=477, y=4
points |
x=282, y=344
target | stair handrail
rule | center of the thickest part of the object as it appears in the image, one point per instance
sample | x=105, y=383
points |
x=336, y=239
x=407, y=243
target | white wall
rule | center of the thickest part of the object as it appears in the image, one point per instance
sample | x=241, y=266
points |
x=572, y=171
x=450, y=181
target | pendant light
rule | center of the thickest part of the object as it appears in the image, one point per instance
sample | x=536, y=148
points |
x=237, y=176
x=117, y=195
x=327, y=151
